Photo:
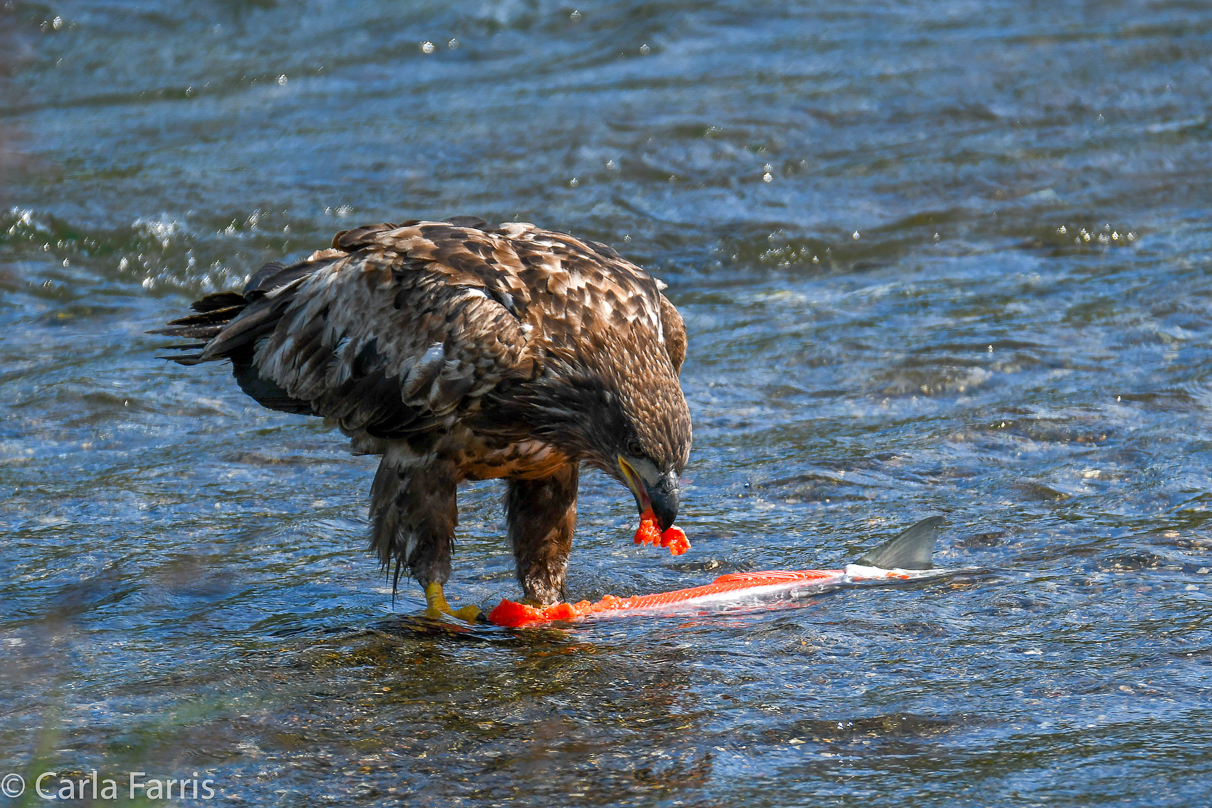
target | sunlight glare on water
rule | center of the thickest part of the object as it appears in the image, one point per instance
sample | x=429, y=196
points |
x=948, y=257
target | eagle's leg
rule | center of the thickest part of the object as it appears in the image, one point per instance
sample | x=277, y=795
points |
x=413, y=516
x=541, y=515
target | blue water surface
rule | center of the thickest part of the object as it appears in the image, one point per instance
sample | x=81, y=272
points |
x=934, y=257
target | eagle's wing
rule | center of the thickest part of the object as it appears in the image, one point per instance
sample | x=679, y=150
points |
x=594, y=294
x=396, y=327
x=389, y=332
x=674, y=329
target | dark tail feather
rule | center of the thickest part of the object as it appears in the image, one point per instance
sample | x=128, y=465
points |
x=212, y=322
x=220, y=300
x=211, y=316
x=227, y=325
x=182, y=359
x=259, y=320
x=204, y=332
x=911, y=550
x=214, y=313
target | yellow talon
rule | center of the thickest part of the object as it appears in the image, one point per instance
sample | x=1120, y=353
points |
x=435, y=604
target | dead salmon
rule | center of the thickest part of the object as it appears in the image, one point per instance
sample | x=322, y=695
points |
x=905, y=557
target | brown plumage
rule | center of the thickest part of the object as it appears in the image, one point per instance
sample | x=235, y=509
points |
x=459, y=351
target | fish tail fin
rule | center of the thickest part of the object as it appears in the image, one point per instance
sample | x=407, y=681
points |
x=911, y=550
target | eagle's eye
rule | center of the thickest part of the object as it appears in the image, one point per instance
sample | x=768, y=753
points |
x=634, y=448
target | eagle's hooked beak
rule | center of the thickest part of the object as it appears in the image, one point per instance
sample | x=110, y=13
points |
x=652, y=489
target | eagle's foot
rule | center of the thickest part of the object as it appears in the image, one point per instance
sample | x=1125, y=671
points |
x=435, y=605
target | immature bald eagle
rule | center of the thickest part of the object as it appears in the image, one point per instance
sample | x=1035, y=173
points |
x=460, y=351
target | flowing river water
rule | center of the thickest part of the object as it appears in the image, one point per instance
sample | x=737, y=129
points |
x=947, y=257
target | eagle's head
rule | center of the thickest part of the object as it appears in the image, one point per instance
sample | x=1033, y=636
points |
x=647, y=444
x=628, y=418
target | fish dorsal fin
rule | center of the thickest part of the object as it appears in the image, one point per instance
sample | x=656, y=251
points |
x=910, y=550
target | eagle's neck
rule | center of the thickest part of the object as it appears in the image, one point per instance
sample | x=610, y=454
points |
x=577, y=413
